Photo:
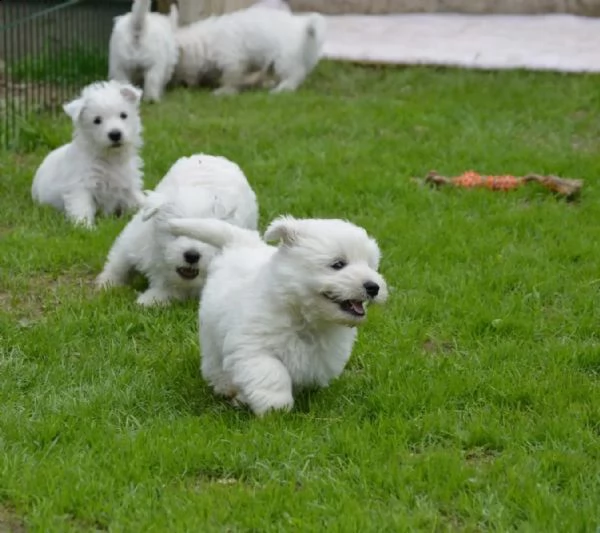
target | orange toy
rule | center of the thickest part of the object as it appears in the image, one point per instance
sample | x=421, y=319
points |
x=569, y=188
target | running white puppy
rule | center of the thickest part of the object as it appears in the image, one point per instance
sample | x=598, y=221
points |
x=100, y=169
x=272, y=319
x=250, y=44
x=142, y=48
x=196, y=186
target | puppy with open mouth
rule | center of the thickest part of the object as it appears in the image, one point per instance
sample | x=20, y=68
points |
x=197, y=186
x=276, y=318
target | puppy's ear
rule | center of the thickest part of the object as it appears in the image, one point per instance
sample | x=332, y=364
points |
x=283, y=229
x=132, y=94
x=154, y=201
x=74, y=108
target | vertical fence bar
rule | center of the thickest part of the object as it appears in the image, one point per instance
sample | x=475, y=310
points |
x=38, y=31
x=15, y=82
x=10, y=59
x=73, y=21
x=24, y=86
x=53, y=32
x=61, y=58
x=4, y=74
x=46, y=30
x=51, y=48
x=35, y=50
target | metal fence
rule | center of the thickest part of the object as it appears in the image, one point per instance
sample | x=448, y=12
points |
x=49, y=49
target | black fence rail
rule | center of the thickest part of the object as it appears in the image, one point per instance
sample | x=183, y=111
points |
x=49, y=50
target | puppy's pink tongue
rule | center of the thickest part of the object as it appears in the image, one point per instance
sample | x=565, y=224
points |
x=357, y=307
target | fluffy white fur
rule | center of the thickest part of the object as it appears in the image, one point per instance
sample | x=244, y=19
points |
x=100, y=169
x=196, y=186
x=275, y=318
x=250, y=44
x=142, y=48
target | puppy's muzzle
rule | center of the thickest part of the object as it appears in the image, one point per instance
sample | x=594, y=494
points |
x=352, y=307
x=115, y=137
x=372, y=288
x=190, y=272
x=191, y=256
x=356, y=307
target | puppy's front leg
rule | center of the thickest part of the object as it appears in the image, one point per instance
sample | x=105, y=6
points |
x=136, y=199
x=81, y=208
x=132, y=199
x=264, y=383
x=232, y=80
x=290, y=83
x=154, y=296
x=117, y=268
x=116, y=71
x=153, y=84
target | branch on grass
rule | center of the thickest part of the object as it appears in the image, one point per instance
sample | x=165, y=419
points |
x=569, y=189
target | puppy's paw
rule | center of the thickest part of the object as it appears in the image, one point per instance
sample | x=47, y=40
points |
x=106, y=281
x=84, y=223
x=263, y=402
x=137, y=200
x=152, y=298
x=226, y=91
x=151, y=99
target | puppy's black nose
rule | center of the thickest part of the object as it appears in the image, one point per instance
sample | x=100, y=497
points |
x=114, y=135
x=191, y=256
x=372, y=288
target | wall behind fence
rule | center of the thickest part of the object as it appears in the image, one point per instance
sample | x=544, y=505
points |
x=49, y=49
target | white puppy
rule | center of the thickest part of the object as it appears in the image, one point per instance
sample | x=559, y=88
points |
x=253, y=43
x=276, y=318
x=196, y=186
x=142, y=48
x=100, y=168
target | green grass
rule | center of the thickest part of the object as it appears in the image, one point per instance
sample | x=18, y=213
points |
x=472, y=399
x=67, y=66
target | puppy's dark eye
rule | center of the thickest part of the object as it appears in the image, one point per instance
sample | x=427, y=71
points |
x=123, y=116
x=98, y=120
x=338, y=265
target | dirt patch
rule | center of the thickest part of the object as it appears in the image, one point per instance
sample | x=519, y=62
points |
x=480, y=456
x=82, y=524
x=10, y=522
x=434, y=346
x=43, y=293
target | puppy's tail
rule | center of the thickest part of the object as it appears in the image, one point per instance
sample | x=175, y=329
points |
x=316, y=28
x=174, y=16
x=139, y=11
x=217, y=233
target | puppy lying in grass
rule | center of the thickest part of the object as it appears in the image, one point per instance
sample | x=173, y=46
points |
x=197, y=186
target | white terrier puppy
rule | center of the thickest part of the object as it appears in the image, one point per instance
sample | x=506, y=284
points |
x=275, y=318
x=196, y=186
x=100, y=168
x=250, y=44
x=142, y=48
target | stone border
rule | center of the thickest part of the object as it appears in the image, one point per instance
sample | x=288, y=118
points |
x=193, y=10
x=382, y=7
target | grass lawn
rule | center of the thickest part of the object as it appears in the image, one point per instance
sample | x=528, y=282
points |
x=472, y=399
